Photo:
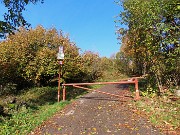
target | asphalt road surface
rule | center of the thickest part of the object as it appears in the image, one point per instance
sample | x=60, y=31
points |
x=98, y=114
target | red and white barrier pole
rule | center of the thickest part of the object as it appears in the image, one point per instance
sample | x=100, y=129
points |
x=64, y=93
x=137, y=97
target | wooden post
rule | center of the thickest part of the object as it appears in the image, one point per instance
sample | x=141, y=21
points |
x=137, y=89
x=60, y=57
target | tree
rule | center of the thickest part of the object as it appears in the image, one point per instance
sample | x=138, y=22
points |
x=153, y=39
x=14, y=17
x=30, y=55
x=92, y=68
x=124, y=63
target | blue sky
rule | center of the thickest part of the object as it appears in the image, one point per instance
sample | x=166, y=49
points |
x=89, y=23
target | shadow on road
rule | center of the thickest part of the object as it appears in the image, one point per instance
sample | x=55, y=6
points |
x=100, y=98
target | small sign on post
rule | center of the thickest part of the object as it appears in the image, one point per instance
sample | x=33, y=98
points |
x=60, y=57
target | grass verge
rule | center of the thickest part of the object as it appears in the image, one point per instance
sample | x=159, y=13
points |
x=22, y=122
x=31, y=108
x=163, y=112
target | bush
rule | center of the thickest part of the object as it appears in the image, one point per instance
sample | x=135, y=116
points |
x=9, y=88
x=29, y=58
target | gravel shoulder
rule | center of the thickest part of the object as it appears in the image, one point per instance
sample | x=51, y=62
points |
x=98, y=114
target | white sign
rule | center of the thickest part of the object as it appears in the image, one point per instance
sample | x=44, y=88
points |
x=60, y=55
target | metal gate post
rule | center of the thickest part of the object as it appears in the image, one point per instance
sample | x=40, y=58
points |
x=59, y=87
x=64, y=93
x=137, y=89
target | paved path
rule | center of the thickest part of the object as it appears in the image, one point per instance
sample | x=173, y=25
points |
x=98, y=114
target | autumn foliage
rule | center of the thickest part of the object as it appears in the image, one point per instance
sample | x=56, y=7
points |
x=150, y=44
x=29, y=58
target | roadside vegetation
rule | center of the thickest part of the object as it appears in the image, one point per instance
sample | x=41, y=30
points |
x=162, y=112
x=151, y=49
x=29, y=110
x=150, y=45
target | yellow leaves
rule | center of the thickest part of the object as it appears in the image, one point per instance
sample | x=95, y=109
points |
x=94, y=129
x=34, y=51
x=99, y=107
